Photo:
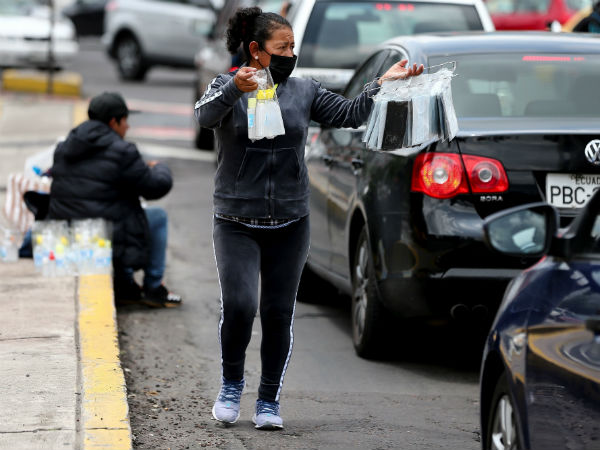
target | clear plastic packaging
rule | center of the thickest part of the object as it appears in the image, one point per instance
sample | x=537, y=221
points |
x=9, y=246
x=264, y=113
x=414, y=111
x=82, y=248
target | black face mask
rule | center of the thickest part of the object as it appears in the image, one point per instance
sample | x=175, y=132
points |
x=281, y=67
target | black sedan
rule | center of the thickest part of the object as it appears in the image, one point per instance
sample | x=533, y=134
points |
x=540, y=376
x=402, y=241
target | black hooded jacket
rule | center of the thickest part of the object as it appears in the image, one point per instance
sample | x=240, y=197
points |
x=98, y=174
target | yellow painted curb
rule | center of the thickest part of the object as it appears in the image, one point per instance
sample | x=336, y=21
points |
x=80, y=112
x=104, y=410
x=63, y=83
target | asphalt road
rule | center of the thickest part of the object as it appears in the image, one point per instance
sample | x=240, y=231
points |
x=423, y=396
x=165, y=99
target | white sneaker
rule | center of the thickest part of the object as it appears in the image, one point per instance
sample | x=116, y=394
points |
x=227, y=406
x=267, y=416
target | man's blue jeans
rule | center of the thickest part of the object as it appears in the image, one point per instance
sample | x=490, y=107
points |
x=154, y=271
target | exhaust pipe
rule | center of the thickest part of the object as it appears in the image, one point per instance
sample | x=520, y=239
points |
x=460, y=311
x=480, y=312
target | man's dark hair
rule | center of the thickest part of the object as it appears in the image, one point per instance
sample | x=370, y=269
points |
x=107, y=106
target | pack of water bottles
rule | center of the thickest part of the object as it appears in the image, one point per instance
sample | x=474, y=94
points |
x=81, y=248
x=413, y=111
x=264, y=113
x=9, y=244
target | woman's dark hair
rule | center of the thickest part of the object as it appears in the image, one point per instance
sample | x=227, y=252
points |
x=251, y=24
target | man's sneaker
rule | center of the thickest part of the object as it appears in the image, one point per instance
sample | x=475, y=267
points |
x=227, y=406
x=160, y=297
x=128, y=292
x=267, y=416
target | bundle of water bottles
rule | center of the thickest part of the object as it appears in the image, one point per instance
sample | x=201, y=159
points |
x=264, y=113
x=81, y=248
x=413, y=111
x=9, y=245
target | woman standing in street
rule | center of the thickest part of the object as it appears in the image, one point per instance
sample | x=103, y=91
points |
x=261, y=203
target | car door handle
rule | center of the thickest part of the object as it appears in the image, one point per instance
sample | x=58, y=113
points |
x=357, y=163
x=327, y=159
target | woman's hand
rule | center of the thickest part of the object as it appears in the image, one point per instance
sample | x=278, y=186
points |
x=399, y=71
x=244, y=81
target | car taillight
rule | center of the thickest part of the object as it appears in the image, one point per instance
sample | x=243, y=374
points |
x=439, y=175
x=485, y=174
x=111, y=6
x=443, y=175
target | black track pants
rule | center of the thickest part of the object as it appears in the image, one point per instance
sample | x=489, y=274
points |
x=278, y=256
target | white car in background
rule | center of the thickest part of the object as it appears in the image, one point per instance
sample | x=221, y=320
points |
x=25, y=35
x=139, y=34
x=334, y=36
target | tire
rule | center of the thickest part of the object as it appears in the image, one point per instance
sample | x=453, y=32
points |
x=130, y=59
x=502, y=428
x=205, y=138
x=368, y=314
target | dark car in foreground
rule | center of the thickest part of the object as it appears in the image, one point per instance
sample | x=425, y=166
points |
x=399, y=241
x=540, y=376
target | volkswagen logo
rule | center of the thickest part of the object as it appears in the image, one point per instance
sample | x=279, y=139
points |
x=592, y=150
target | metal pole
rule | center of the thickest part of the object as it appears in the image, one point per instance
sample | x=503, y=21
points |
x=50, y=88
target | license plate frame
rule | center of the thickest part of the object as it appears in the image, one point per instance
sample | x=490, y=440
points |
x=570, y=190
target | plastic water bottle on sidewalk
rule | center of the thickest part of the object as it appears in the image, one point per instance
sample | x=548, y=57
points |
x=103, y=256
x=9, y=250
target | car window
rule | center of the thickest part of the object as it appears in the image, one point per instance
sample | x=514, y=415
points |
x=366, y=73
x=525, y=85
x=513, y=6
x=342, y=34
x=19, y=7
x=576, y=5
x=539, y=6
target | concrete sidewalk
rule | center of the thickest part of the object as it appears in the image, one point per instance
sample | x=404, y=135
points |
x=63, y=386
x=62, y=383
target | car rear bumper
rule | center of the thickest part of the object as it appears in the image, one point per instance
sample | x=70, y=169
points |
x=32, y=53
x=446, y=294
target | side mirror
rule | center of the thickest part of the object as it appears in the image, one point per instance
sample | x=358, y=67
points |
x=524, y=231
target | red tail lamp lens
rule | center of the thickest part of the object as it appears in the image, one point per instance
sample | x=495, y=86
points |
x=439, y=175
x=485, y=174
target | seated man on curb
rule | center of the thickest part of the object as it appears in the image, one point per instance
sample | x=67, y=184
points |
x=96, y=173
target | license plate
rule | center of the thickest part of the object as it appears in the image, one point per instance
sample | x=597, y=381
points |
x=570, y=190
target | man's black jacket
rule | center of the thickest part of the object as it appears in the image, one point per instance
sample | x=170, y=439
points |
x=98, y=174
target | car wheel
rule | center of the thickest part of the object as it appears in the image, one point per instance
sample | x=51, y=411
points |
x=503, y=431
x=130, y=60
x=367, y=310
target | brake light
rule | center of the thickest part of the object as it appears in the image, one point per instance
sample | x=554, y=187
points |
x=439, y=175
x=445, y=175
x=111, y=6
x=485, y=174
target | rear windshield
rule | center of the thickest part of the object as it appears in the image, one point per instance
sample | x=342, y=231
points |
x=526, y=85
x=341, y=35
